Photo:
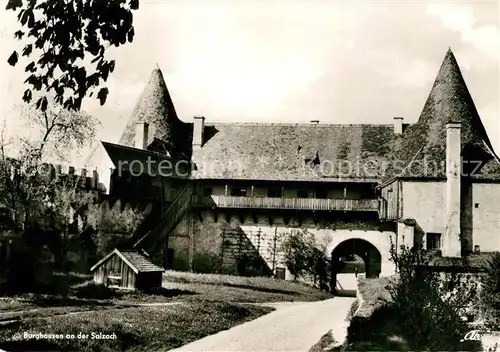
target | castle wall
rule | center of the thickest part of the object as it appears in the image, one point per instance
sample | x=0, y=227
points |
x=221, y=239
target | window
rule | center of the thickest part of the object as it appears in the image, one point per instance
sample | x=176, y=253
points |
x=274, y=192
x=207, y=191
x=433, y=241
x=169, y=260
x=321, y=193
x=238, y=192
x=302, y=193
x=280, y=273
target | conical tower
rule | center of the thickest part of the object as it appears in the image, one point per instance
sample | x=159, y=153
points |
x=448, y=101
x=155, y=107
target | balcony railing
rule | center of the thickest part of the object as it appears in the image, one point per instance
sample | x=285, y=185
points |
x=287, y=203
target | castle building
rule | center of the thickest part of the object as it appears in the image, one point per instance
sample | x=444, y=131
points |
x=226, y=193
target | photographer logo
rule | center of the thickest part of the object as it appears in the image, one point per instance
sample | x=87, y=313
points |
x=473, y=335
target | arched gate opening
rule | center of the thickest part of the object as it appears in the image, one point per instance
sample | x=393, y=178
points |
x=355, y=256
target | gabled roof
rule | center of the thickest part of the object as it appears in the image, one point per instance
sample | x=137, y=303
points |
x=424, y=143
x=155, y=107
x=136, y=261
x=313, y=152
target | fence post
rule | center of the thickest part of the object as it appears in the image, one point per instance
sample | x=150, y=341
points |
x=274, y=250
x=258, y=241
x=191, y=240
x=222, y=247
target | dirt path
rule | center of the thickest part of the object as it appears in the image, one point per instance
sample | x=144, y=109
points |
x=292, y=327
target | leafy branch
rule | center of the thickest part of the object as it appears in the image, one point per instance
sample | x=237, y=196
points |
x=61, y=37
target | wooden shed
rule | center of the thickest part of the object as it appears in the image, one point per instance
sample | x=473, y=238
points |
x=127, y=269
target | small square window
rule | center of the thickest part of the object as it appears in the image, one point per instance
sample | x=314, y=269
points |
x=302, y=193
x=321, y=193
x=238, y=192
x=476, y=205
x=274, y=192
x=433, y=241
x=280, y=273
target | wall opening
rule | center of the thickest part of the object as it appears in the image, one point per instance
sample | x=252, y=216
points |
x=355, y=255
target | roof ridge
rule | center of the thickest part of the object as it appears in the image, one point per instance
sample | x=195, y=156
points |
x=297, y=124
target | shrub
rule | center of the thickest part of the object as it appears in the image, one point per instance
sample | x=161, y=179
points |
x=428, y=304
x=91, y=290
x=490, y=293
x=305, y=258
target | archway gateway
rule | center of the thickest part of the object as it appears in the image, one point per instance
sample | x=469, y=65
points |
x=348, y=250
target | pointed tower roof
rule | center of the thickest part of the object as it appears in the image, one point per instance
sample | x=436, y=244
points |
x=448, y=101
x=155, y=107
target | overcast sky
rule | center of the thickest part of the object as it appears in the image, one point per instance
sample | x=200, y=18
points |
x=293, y=61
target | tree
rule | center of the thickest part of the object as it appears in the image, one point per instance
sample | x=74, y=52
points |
x=490, y=293
x=62, y=37
x=31, y=190
x=305, y=258
x=26, y=181
x=113, y=226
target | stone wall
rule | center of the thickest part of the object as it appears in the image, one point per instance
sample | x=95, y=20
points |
x=221, y=240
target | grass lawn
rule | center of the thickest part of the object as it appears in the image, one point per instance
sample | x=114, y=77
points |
x=135, y=329
x=229, y=288
x=188, y=307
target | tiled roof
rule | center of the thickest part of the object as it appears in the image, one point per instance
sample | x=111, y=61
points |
x=293, y=151
x=423, y=146
x=136, y=261
x=140, y=262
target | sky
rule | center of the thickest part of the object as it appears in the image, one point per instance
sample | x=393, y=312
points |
x=291, y=61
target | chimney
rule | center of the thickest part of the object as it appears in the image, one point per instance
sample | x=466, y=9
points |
x=451, y=245
x=141, y=135
x=398, y=125
x=198, y=128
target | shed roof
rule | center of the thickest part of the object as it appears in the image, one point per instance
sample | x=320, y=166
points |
x=136, y=261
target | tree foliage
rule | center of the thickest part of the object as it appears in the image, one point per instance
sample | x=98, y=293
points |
x=35, y=197
x=61, y=38
x=490, y=293
x=113, y=226
x=429, y=305
x=305, y=258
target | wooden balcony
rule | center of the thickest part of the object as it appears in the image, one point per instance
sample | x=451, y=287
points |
x=287, y=203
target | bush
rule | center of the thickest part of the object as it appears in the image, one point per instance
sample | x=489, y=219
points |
x=305, y=258
x=490, y=294
x=91, y=290
x=428, y=305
